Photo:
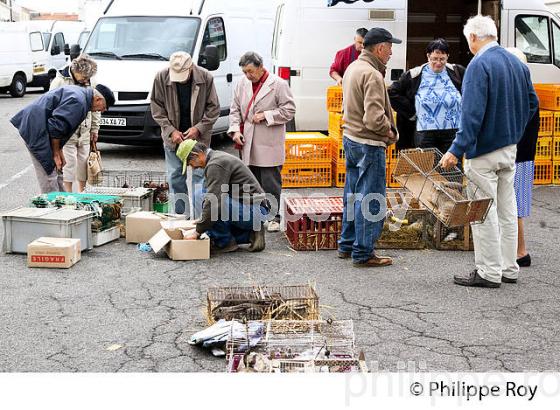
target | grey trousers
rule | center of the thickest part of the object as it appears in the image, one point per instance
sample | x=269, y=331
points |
x=47, y=182
x=270, y=179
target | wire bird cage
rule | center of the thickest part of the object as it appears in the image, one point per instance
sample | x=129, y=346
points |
x=447, y=193
x=339, y=365
x=302, y=340
x=129, y=179
x=298, y=302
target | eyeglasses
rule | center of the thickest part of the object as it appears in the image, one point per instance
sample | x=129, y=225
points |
x=437, y=59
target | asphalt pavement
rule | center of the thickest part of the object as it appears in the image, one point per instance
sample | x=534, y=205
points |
x=119, y=310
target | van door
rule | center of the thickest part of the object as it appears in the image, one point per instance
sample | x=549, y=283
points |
x=215, y=34
x=58, y=58
x=534, y=34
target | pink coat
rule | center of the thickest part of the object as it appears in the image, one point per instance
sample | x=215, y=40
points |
x=264, y=142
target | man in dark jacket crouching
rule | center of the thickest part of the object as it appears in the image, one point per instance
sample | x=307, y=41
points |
x=48, y=123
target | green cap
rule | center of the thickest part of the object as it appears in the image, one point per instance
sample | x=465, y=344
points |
x=183, y=152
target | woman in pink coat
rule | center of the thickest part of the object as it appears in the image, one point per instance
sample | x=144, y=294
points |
x=262, y=105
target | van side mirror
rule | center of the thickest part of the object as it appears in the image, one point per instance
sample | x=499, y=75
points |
x=67, y=49
x=55, y=50
x=209, y=58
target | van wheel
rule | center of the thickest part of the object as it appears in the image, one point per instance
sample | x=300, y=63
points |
x=18, y=86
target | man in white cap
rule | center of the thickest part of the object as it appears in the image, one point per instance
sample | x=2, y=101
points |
x=185, y=104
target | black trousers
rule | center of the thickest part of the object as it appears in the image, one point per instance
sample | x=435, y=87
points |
x=440, y=139
x=270, y=179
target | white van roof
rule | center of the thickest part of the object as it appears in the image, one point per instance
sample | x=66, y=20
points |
x=524, y=4
x=154, y=8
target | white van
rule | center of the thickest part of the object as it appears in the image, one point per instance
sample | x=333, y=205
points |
x=134, y=40
x=21, y=57
x=307, y=35
x=58, y=35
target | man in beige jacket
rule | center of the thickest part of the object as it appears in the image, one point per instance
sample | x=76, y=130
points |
x=185, y=104
x=368, y=129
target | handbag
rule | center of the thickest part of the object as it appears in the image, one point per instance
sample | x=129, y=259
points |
x=94, y=166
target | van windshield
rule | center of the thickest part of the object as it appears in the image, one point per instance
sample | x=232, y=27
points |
x=142, y=38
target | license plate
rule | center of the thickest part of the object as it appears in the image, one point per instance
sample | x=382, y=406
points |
x=117, y=122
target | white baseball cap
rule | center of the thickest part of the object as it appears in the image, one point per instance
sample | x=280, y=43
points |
x=180, y=64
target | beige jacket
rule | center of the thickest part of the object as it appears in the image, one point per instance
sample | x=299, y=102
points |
x=367, y=109
x=82, y=135
x=263, y=142
x=205, y=107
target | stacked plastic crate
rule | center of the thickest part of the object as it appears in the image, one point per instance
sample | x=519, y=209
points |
x=391, y=162
x=334, y=107
x=308, y=160
x=547, y=158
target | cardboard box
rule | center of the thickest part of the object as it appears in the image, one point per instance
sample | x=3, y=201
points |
x=53, y=252
x=177, y=248
x=141, y=226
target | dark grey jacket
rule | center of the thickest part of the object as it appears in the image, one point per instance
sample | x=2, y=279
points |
x=56, y=114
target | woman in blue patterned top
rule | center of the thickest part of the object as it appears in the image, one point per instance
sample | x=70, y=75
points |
x=430, y=97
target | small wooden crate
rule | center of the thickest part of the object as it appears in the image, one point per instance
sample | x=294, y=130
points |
x=450, y=239
x=334, y=99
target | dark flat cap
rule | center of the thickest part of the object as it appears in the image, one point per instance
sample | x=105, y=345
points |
x=107, y=94
x=379, y=35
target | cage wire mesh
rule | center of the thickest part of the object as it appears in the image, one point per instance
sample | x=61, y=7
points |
x=302, y=340
x=447, y=193
x=297, y=302
x=339, y=365
x=129, y=179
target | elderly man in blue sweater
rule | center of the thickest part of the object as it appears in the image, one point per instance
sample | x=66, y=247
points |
x=498, y=101
x=48, y=123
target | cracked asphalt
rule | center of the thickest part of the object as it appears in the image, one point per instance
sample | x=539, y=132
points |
x=119, y=310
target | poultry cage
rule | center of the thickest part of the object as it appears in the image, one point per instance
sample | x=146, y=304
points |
x=297, y=302
x=291, y=340
x=447, y=193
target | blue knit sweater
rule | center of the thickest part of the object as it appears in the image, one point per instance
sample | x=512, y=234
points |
x=498, y=102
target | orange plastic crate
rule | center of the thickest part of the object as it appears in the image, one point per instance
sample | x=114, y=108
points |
x=334, y=98
x=307, y=147
x=306, y=175
x=339, y=175
x=556, y=172
x=543, y=173
x=338, y=151
x=556, y=130
x=556, y=148
x=544, y=149
x=335, y=120
x=391, y=153
x=546, y=127
x=391, y=181
x=549, y=96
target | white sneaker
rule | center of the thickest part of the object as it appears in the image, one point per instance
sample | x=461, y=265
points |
x=273, y=226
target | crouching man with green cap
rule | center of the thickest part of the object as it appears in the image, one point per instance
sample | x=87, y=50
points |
x=232, y=211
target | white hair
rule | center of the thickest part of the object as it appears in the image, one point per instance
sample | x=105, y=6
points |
x=518, y=53
x=481, y=26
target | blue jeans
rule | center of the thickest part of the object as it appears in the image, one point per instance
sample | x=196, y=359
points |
x=237, y=224
x=364, y=200
x=178, y=185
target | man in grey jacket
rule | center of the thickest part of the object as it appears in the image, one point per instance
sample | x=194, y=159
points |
x=368, y=129
x=185, y=104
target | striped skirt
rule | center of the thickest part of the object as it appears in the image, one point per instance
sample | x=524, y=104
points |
x=524, y=174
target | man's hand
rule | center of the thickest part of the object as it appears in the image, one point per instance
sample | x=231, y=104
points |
x=59, y=160
x=258, y=117
x=448, y=160
x=192, y=133
x=93, y=137
x=191, y=235
x=391, y=135
x=238, y=138
x=177, y=137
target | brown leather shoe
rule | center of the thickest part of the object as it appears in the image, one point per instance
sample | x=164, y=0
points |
x=344, y=255
x=374, y=262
